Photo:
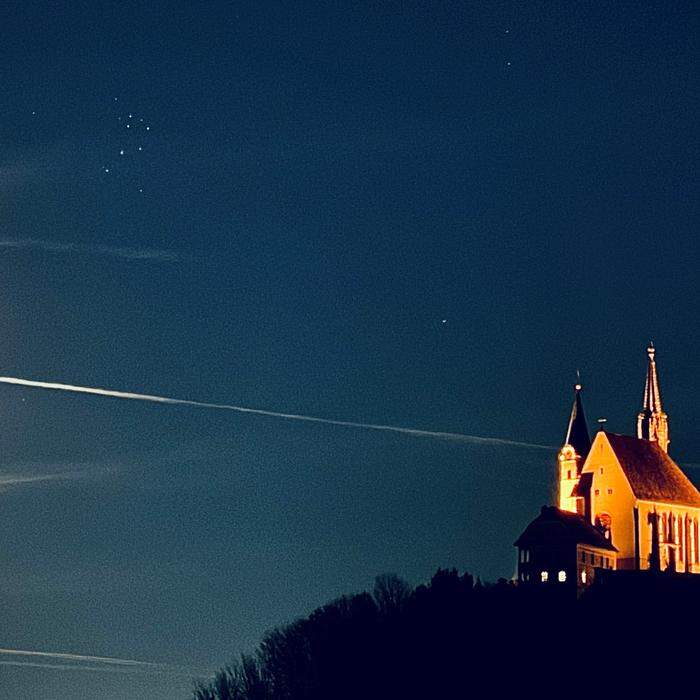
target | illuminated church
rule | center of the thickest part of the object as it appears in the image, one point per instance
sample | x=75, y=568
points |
x=623, y=503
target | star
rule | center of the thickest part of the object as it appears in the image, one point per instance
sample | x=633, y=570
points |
x=444, y=320
x=140, y=149
x=148, y=128
x=106, y=170
x=121, y=153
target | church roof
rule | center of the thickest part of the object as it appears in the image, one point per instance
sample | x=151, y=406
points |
x=577, y=431
x=554, y=526
x=651, y=473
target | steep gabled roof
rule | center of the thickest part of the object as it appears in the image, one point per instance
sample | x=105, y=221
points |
x=651, y=473
x=554, y=526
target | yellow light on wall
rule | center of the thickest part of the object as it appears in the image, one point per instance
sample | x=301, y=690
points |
x=561, y=576
x=544, y=576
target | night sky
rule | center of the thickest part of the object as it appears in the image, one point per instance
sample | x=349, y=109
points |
x=425, y=215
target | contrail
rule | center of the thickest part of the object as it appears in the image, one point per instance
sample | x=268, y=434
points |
x=17, y=479
x=79, y=657
x=458, y=437
x=76, y=662
x=111, y=251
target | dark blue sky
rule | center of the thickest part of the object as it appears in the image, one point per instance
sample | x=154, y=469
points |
x=321, y=186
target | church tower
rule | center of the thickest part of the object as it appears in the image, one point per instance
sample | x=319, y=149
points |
x=652, y=422
x=572, y=455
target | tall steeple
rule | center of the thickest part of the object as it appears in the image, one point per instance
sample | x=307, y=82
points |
x=572, y=455
x=577, y=432
x=652, y=422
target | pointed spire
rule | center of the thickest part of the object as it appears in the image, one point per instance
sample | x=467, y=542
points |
x=577, y=432
x=652, y=395
x=572, y=455
x=652, y=422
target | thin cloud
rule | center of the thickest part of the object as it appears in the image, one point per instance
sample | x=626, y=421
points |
x=26, y=476
x=58, y=247
x=434, y=434
x=22, y=479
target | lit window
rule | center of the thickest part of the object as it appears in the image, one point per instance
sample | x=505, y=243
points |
x=583, y=577
x=544, y=576
x=561, y=576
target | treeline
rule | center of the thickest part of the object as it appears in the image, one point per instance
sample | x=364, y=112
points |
x=454, y=635
x=397, y=642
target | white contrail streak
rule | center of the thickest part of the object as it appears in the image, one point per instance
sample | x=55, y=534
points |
x=19, y=479
x=79, y=657
x=77, y=667
x=43, y=659
x=458, y=437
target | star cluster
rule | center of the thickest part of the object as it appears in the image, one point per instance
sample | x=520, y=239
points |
x=128, y=144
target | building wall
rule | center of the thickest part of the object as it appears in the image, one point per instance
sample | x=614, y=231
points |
x=568, y=479
x=612, y=496
x=579, y=562
x=550, y=559
x=588, y=559
x=683, y=539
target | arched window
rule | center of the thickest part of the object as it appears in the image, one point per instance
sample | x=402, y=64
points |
x=603, y=522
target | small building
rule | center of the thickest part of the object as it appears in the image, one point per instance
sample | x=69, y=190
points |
x=562, y=548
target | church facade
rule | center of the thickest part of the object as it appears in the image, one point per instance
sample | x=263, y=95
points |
x=623, y=503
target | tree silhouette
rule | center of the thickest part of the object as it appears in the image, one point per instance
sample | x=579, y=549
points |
x=449, y=637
